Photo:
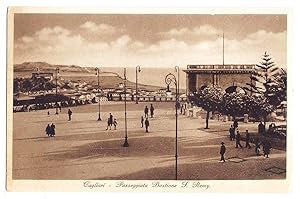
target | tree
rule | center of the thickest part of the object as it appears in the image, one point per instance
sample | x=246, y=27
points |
x=210, y=99
x=265, y=78
x=280, y=88
x=260, y=107
x=236, y=104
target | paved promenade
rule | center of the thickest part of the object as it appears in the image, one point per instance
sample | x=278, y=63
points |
x=83, y=149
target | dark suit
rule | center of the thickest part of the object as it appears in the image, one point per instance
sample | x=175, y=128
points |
x=222, y=152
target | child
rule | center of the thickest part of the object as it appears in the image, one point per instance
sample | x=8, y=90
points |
x=115, y=123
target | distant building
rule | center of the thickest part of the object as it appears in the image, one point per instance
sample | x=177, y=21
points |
x=223, y=76
x=36, y=75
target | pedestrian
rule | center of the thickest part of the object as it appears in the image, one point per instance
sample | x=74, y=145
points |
x=147, y=124
x=142, y=121
x=247, y=140
x=266, y=148
x=48, y=130
x=52, y=130
x=261, y=128
x=111, y=119
x=181, y=109
x=231, y=133
x=257, y=147
x=70, y=114
x=235, y=124
x=238, y=140
x=151, y=110
x=222, y=151
x=115, y=123
x=48, y=113
x=108, y=123
x=146, y=110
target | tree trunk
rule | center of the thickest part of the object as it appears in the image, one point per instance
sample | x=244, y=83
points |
x=265, y=118
x=233, y=117
x=207, y=117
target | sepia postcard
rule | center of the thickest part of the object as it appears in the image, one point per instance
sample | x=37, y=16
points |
x=181, y=100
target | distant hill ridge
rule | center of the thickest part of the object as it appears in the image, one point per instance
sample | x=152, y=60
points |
x=46, y=67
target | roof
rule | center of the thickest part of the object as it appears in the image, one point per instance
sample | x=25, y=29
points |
x=220, y=68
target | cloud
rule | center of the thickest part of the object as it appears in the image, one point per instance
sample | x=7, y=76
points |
x=99, y=28
x=197, y=33
x=45, y=33
x=58, y=45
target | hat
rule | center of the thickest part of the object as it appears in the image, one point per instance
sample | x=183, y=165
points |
x=222, y=143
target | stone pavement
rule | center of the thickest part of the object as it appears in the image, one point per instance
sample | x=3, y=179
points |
x=83, y=149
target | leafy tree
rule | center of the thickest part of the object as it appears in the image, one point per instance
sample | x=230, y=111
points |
x=210, y=99
x=236, y=104
x=260, y=107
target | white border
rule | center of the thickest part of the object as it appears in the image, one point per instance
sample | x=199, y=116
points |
x=294, y=52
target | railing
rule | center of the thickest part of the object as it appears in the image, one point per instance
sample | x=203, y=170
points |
x=222, y=67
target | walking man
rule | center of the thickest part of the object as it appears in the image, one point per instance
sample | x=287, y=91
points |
x=147, y=124
x=247, y=140
x=48, y=130
x=222, y=151
x=266, y=147
x=261, y=128
x=231, y=133
x=181, y=109
x=111, y=119
x=142, y=121
x=235, y=124
x=238, y=140
x=70, y=114
x=108, y=123
x=146, y=111
x=52, y=130
x=151, y=110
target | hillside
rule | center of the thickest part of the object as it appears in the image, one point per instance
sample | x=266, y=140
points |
x=44, y=66
x=72, y=73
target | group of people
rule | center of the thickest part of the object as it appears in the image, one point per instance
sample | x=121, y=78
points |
x=146, y=111
x=50, y=130
x=145, y=117
x=111, y=121
x=235, y=135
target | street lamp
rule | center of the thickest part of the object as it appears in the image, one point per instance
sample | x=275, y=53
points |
x=126, y=137
x=98, y=73
x=137, y=69
x=56, y=73
x=170, y=78
x=178, y=71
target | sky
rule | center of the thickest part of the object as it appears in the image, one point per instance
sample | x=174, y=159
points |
x=165, y=40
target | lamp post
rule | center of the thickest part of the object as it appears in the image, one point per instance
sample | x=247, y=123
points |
x=56, y=74
x=137, y=69
x=98, y=74
x=178, y=71
x=170, y=78
x=126, y=137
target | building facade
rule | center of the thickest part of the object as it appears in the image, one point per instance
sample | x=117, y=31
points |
x=223, y=76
